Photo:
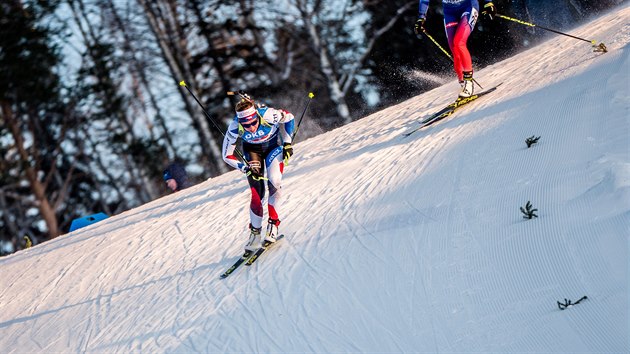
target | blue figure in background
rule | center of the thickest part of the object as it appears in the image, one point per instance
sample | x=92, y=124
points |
x=175, y=177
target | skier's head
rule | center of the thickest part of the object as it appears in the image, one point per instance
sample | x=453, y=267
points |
x=175, y=177
x=247, y=115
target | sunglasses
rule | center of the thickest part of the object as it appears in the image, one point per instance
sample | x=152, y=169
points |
x=251, y=123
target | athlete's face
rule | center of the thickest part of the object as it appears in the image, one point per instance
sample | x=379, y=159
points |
x=172, y=184
x=250, y=123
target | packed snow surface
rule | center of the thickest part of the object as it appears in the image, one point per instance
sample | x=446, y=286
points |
x=392, y=244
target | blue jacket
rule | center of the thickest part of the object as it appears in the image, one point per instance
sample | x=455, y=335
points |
x=423, y=5
x=178, y=173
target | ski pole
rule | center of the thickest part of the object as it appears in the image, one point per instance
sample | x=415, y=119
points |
x=601, y=47
x=445, y=52
x=310, y=98
x=240, y=155
x=183, y=84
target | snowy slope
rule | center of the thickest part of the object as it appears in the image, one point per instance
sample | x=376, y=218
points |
x=392, y=244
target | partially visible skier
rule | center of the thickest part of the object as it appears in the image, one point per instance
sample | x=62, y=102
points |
x=260, y=129
x=460, y=17
x=175, y=177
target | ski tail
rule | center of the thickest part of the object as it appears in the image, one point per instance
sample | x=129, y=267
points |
x=449, y=110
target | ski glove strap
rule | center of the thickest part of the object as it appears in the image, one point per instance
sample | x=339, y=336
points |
x=287, y=152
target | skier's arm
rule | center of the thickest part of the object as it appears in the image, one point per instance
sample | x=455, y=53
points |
x=229, y=147
x=287, y=126
x=418, y=27
x=423, y=6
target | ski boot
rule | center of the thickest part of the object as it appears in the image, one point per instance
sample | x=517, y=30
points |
x=254, y=239
x=467, y=85
x=272, y=230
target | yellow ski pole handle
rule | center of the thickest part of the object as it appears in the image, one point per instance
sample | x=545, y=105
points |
x=310, y=98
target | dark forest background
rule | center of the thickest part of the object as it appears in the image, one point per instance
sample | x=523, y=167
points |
x=91, y=111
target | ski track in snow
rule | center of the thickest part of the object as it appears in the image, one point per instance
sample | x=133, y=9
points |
x=391, y=244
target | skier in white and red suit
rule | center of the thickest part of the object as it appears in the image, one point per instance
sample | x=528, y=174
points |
x=266, y=135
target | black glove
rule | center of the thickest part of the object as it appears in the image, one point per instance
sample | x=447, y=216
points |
x=418, y=28
x=253, y=171
x=254, y=174
x=287, y=152
x=489, y=11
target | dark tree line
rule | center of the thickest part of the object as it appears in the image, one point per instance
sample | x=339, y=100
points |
x=91, y=110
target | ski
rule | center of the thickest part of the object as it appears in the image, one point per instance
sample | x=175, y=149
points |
x=448, y=110
x=246, y=256
x=454, y=106
x=265, y=246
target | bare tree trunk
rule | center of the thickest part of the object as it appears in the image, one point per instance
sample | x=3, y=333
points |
x=140, y=78
x=340, y=84
x=138, y=180
x=348, y=79
x=172, y=51
x=205, y=32
x=38, y=188
x=336, y=94
x=7, y=221
x=104, y=170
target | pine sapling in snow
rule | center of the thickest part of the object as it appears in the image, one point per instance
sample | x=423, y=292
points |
x=531, y=141
x=567, y=303
x=528, y=211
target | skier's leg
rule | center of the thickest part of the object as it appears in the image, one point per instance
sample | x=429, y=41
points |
x=254, y=158
x=257, y=188
x=460, y=39
x=451, y=30
x=459, y=24
x=275, y=168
